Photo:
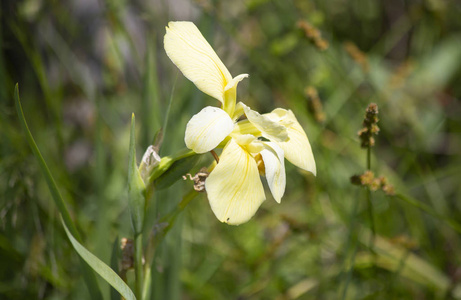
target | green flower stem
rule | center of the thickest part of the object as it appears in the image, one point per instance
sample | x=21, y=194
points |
x=370, y=204
x=166, y=163
x=187, y=199
x=138, y=269
x=169, y=220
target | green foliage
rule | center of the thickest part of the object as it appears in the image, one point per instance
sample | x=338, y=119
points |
x=101, y=268
x=84, y=68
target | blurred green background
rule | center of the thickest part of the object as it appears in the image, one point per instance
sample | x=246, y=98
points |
x=84, y=66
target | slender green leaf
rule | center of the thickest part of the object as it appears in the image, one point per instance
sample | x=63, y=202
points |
x=89, y=277
x=450, y=222
x=136, y=186
x=100, y=267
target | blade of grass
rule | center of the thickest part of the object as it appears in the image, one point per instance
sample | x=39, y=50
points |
x=165, y=122
x=44, y=168
x=89, y=277
x=100, y=267
x=426, y=208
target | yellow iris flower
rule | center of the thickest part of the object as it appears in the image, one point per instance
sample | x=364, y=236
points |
x=253, y=146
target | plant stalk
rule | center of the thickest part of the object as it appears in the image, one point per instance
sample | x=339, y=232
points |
x=370, y=204
x=138, y=269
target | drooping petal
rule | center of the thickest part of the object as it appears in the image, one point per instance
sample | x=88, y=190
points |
x=274, y=165
x=297, y=149
x=234, y=82
x=234, y=188
x=193, y=55
x=207, y=129
x=269, y=129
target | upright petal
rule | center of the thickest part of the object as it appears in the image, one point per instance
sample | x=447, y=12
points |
x=230, y=93
x=269, y=129
x=297, y=149
x=274, y=165
x=234, y=188
x=193, y=55
x=207, y=129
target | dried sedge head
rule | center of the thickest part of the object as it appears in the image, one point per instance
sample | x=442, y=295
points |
x=357, y=55
x=370, y=127
x=373, y=183
x=199, y=179
x=313, y=34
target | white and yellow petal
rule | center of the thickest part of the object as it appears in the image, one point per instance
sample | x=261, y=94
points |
x=207, y=129
x=297, y=149
x=238, y=111
x=234, y=188
x=269, y=129
x=274, y=165
x=193, y=55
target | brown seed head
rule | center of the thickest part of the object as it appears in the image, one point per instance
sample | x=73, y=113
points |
x=369, y=180
x=370, y=126
x=315, y=103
